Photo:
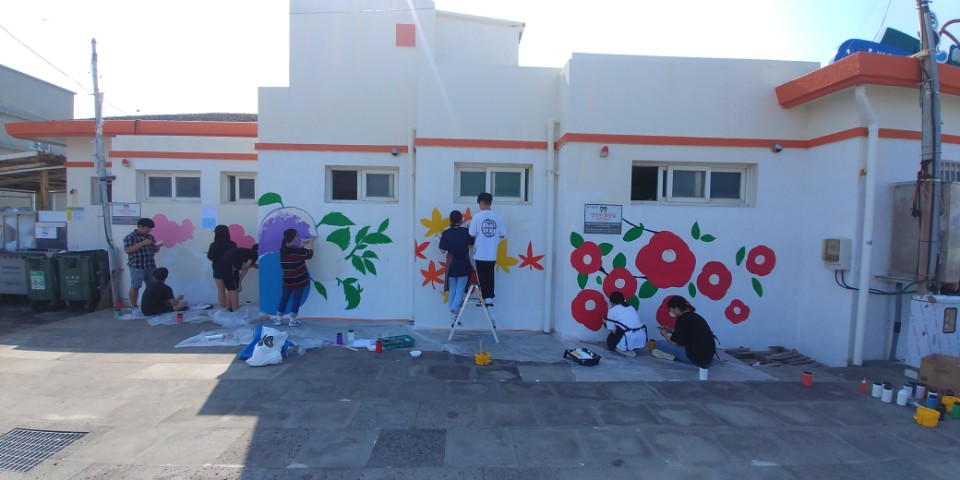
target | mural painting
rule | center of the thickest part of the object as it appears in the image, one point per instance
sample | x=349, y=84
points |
x=665, y=261
x=359, y=245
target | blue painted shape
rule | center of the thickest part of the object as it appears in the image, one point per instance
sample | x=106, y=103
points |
x=852, y=46
x=271, y=284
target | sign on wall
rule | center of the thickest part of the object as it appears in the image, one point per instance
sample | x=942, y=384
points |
x=603, y=219
x=125, y=213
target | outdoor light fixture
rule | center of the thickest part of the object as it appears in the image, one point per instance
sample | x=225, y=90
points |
x=604, y=151
x=776, y=148
x=394, y=151
x=125, y=162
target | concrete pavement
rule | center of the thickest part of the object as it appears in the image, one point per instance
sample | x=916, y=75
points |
x=154, y=411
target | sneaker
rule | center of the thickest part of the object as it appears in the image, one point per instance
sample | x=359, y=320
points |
x=627, y=353
x=277, y=321
x=664, y=355
x=293, y=322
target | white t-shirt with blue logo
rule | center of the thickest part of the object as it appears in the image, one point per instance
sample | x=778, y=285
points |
x=488, y=228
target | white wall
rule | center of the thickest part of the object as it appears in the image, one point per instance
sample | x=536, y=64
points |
x=476, y=40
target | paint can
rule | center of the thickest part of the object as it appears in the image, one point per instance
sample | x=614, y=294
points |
x=877, y=390
x=955, y=413
x=339, y=338
x=350, y=336
x=903, y=395
x=933, y=398
x=651, y=344
x=179, y=318
x=704, y=374
x=921, y=392
x=807, y=379
x=863, y=386
x=379, y=346
x=887, y=395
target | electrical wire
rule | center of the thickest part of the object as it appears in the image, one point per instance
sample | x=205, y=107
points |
x=838, y=277
x=883, y=20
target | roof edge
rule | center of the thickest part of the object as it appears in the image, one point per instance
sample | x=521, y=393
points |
x=112, y=128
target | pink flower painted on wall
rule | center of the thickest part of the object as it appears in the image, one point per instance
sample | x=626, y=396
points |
x=737, y=311
x=170, y=232
x=714, y=280
x=666, y=261
x=589, y=309
x=240, y=237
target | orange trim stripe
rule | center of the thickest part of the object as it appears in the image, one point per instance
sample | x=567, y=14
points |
x=318, y=147
x=82, y=164
x=189, y=155
x=112, y=128
x=472, y=143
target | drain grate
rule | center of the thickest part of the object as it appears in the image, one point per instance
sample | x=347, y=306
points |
x=22, y=449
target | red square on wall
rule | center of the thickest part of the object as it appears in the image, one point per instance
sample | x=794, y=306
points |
x=406, y=35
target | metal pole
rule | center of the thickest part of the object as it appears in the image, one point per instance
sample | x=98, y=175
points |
x=104, y=183
x=930, y=162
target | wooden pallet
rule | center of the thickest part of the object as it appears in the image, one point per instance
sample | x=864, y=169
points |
x=774, y=356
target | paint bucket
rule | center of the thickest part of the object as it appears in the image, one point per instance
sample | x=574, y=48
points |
x=955, y=412
x=481, y=358
x=179, y=318
x=949, y=401
x=921, y=391
x=877, y=390
x=379, y=347
x=933, y=398
x=807, y=379
x=651, y=344
x=903, y=395
x=339, y=338
x=350, y=336
x=887, y=395
x=704, y=374
x=927, y=417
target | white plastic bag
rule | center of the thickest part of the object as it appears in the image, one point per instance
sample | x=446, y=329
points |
x=268, y=351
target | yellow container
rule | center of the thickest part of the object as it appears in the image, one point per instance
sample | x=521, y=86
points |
x=927, y=417
x=948, y=402
x=482, y=358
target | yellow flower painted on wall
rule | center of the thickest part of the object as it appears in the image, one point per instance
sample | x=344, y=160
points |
x=436, y=224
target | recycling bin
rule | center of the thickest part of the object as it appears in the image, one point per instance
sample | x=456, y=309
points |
x=83, y=276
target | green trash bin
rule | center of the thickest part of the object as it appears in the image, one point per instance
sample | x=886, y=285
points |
x=43, y=281
x=83, y=276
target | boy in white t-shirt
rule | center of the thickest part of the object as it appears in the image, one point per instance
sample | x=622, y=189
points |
x=488, y=229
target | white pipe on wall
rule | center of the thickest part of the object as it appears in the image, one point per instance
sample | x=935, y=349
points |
x=866, y=237
x=412, y=156
x=551, y=214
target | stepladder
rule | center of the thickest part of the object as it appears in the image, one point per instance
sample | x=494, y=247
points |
x=473, y=295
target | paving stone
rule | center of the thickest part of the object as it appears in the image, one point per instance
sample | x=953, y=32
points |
x=450, y=372
x=630, y=391
x=687, y=447
x=409, y=448
x=485, y=447
x=502, y=414
x=679, y=390
x=860, y=413
x=682, y=414
x=878, y=444
x=799, y=415
x=192, y=446
x=570, y=414
x=372, y=390
x=541, y=447
x=795, y=391
x=728, y=391
x=861, y=471
x=265, y=448
x=471, y=391
x=579, y=391
x=760, y=472
x=818, y=446
x=417, y=390
x=741, y=415
x=935, y=439
x=321, y=414
x=310, y=389
x=390, y=473
x=616, y=447
x=545, y=373
x=626, y=414
x=522, y=473
x=498, y=373
x=440, y=414
x=519, y=391
x=340, y=448
x=385, y=415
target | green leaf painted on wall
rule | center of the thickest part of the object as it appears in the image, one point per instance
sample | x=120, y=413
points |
x=370, y=254
x=692, y=290
x=320, y=289
x=269, y=198
x=383, y=226
x=695, y=231
x=634, y=302
x=647, y=290
x=361, y=234
x=335, y=219
x=620, y=261
x=757, y=287
x=358, y=264
x=605, y=248
x=599, y=280
x=352, y=294
x=708, y=238
x=634, y=233
x=582, y=280
x=370, y=266
x=340, y=238
x=740, y=254
x=377, y=238
x=575, y=239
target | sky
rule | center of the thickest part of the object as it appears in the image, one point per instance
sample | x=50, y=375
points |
x=197, y=56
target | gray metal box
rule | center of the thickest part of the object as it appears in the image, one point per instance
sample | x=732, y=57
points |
x=905, y=241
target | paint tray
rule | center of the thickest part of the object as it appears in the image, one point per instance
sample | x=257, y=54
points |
x=398, y=341
x=581, y=356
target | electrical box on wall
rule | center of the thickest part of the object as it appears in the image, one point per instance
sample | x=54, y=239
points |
x=836, y=253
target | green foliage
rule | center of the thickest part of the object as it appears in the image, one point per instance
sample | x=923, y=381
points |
x=340, y=237
x=605, y=248
x=575, y=239
x=695, y=231
x=757, y=287
x=336, y=219
x=740, y=255
x=269, y=198
x=620, y=261
x=582, y=280
x=647, y=290
x=320, y=289
x=692, y=290
x=634, y=233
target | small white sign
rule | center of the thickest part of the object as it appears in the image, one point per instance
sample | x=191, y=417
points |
x=603, y=219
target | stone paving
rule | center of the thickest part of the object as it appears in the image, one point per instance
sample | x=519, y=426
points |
x=153, y=411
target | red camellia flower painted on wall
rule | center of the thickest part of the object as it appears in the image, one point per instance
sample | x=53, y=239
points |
x=589, y=309
x=587, y=258
x=666, y=261
x=714, y=280
x=620, y=280
x=663, y=314
x=737, y=311
x=761, y=260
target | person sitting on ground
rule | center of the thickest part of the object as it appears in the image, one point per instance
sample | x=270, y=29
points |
x=627, y=332
x=691, y=340
x=158, y=296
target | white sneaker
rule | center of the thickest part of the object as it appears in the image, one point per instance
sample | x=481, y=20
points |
x=627, y=353
x=293, y=322
x=664, y=355
x=277, y=321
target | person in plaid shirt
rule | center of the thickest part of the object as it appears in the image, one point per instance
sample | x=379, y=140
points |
x=140, y=247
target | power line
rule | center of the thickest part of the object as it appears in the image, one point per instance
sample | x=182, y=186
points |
x=883, y=20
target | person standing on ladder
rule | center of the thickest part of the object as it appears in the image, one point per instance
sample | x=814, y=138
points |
x=455, y=243
x=488, y=229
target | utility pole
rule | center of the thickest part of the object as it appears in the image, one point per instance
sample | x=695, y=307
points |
x=104, y=183
x=930, y=165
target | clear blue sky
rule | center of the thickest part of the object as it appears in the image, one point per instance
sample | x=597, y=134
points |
x=184, y=56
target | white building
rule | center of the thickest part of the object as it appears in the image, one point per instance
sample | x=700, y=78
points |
x=397, y=113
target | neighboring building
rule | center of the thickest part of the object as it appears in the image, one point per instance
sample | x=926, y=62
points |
x=715, y=179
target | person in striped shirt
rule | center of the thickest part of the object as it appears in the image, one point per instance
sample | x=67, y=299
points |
x=293, y=262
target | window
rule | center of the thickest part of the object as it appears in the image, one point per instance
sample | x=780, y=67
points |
x=239, y=188
x=95, y=191
x=361, y=184
x=507, y=184
x=172, y=186
x=725, y=184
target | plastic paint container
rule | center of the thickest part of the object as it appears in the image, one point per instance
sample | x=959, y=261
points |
x=704, y=374
x=887, y=395
x=339, y=338
x=807, y=379
x=933, y=398
x=927, y=417
x=877, y=390
x=903, y=395
x=921, y=391
x=179, y=318
x=379, y=346
x=955, y=413
x=350, y=336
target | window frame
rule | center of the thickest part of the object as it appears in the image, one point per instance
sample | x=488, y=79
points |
x=362, y=187
x=172, y=175
x=666, y=177
x=225, y=181
x=489, y=172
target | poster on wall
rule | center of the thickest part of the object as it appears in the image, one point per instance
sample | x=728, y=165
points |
x=75, y=214
x=125, y=213
x=602, y=219
x=208, y=216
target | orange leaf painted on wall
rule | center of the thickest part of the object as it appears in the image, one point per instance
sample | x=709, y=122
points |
x=433, y=275
x=418, y=249
x=531, y=260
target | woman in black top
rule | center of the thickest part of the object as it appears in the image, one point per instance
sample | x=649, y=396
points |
x=232, y=267
x=221, y=243
x=691, y=339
